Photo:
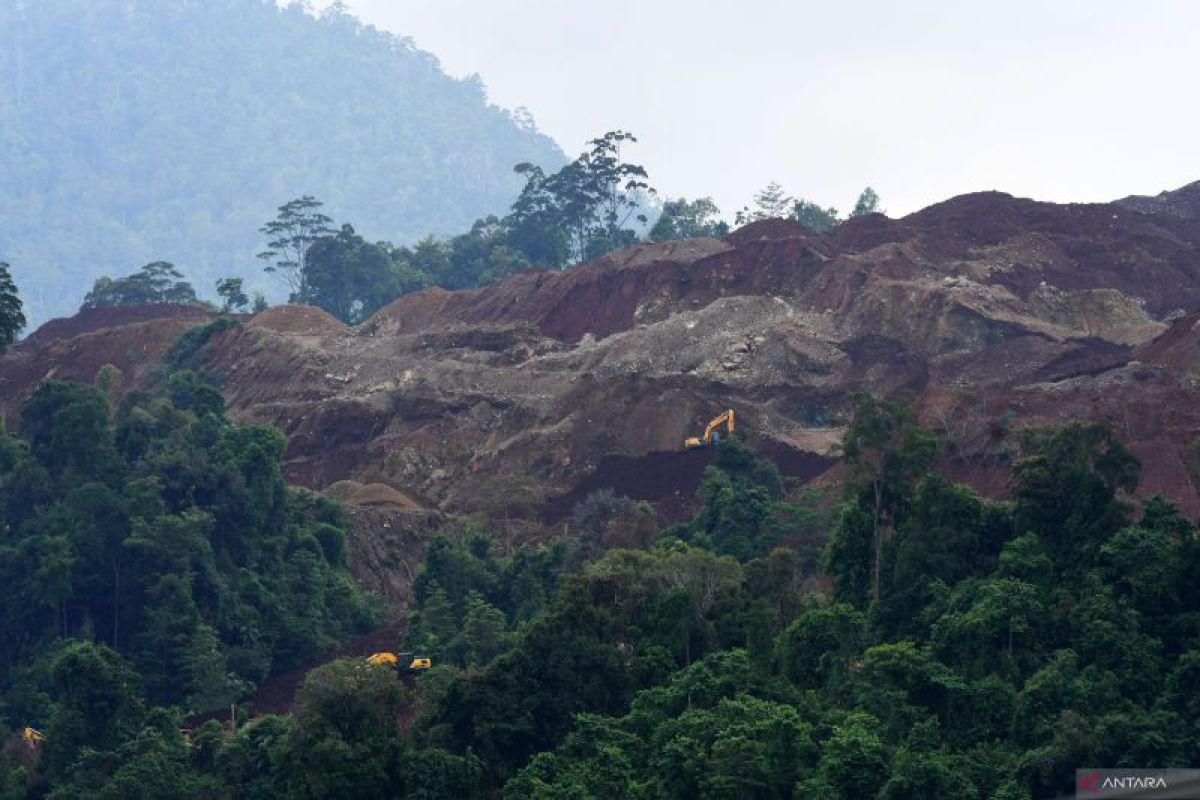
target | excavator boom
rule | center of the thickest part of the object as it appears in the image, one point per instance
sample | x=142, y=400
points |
x=724, y=418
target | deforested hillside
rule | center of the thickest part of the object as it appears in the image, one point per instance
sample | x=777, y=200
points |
x=172, y=129
x=992, y=312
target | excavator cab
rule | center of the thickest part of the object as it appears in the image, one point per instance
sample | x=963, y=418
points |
x=712, y=433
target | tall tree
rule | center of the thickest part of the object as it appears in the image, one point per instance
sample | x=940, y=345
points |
x=12, y=320
x=290, y=235
x=231, y=294
x=813, y=217
x=98, y=704
x=585, y=209
x=887, y=452
x=867, y=203
x=535, y=223
x=156, y=282
x=1067, y=489
x=770, y=202
x=621, y=185
x=684, y=219
x=350, y=277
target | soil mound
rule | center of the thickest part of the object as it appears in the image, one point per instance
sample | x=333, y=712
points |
x=95, y=319
x=299, y=320
x=769, y=229
x=353, y=493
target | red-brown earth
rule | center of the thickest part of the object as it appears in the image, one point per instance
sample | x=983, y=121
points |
x=993, y=312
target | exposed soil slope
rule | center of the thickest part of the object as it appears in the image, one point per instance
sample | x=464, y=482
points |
x=981, y=306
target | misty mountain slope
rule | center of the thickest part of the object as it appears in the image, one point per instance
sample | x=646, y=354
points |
x=134, y=130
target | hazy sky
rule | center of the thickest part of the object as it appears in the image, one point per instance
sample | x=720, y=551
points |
x=1054, y=99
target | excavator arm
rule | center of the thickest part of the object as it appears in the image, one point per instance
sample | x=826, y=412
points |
x=724, y=418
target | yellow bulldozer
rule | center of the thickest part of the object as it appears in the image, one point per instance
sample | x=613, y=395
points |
x=712, y=432
x=406, y=662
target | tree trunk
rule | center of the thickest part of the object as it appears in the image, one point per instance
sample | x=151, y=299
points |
x=877, y=539
x=116, y=602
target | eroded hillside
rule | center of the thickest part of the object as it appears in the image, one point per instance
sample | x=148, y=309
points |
x=994, y=312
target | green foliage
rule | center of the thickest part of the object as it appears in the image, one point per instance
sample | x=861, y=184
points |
x=770, y=202
x=815, y=218
x=773, y=202
x=1067, y=484
x=469, y=601
x=67, y=428
x=193, y=340
x=97, y=702
x=867, y=203
x=988, y=666
x=853, y=761
x=742, y=514
x=231, y=294
x=605, y=521
x=157, y=282
x=819, y=646
x=684, y=219
x=136, y=131
x=12, y=318
x=297, y=226
x=886, y=453
x=168, y=536
x=345, y=732
x=347, y=276
x=582, y=211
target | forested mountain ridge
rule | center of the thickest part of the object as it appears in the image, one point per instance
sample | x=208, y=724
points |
x=134, y=131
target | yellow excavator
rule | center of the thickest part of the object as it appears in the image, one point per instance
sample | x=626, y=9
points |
x=712, y=431
x=32, y=736
x=404, y=661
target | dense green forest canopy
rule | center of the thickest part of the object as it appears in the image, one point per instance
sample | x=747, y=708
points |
x=139, y=131
x=151, y=554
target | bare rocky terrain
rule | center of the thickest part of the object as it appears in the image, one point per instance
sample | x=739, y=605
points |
x=993, y=312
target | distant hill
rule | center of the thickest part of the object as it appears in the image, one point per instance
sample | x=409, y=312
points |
x=133, y=130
